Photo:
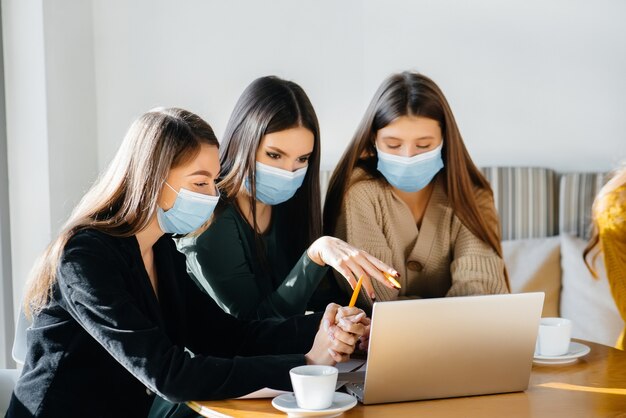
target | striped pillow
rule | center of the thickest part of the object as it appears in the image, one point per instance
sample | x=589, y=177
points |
x=576, y=194
x=525, y=198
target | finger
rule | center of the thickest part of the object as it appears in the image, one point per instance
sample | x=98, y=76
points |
x=351, y=327
x=343, y=269
x=342, y=348
x=347, y=311
x=371, y=265
x=344, y=358
x=342, y=336
x=373, y=271
x=380, y=265
x=361, y=318
x=330, y=313
x=351, y=313
x=364, y=344
x=358, y=272
x=337, y=357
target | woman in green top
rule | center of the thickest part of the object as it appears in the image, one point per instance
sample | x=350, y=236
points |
x=262, y=255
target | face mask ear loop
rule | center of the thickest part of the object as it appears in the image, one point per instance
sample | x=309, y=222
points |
x=168, y=185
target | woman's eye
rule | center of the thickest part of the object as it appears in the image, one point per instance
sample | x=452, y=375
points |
x=423, y=146
x=201, y=184
x=273, y=155
x=303, y=159
x=393, y=146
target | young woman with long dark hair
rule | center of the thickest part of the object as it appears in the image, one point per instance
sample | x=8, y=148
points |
x=407, y=192
x=263, y=255
x=115, y=313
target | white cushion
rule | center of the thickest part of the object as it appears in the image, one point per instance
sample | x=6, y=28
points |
x=585, y=300
x=534, y=266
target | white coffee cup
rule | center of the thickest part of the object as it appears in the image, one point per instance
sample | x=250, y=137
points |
x=554, y=336
x=314, y=386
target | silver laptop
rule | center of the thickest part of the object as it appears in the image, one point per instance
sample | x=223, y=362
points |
x=448, y=347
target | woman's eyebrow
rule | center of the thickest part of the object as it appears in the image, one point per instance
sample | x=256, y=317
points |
x=277, y=150
x=200, y=173
x=416, y=139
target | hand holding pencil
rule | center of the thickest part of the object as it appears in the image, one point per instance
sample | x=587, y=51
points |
x=351, y=262
x=340, y=331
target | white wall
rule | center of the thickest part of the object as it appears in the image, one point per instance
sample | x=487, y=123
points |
x=6, y=282
x=71, y=104
x=51, y=121
x=29, y=198
x=531, y=82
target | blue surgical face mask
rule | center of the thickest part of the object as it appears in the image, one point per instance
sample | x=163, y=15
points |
x=275, y=185
x=190, y=211
x=410, y=174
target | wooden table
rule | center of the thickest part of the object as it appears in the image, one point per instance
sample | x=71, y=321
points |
x=594, y=386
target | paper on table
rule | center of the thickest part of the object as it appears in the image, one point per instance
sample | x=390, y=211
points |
x=346, y=366
x=263, y=393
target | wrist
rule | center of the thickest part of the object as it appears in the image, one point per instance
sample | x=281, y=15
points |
x=314, y=253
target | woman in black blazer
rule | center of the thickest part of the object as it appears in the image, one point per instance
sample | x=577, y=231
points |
x=114, y=310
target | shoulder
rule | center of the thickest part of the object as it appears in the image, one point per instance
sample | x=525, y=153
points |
x=92, y=240
x=610, y=210
x=224, y=224
x=612, y=199
x=363, y=185
x=95, y=256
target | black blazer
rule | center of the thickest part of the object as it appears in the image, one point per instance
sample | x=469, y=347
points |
x=104, y=345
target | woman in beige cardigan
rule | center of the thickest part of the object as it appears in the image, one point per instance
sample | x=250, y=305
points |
x=407, y=192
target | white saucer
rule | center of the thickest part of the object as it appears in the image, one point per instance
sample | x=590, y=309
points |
x=575, y=351
x=287, y=403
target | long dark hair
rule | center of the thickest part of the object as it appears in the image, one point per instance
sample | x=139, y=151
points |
x=413, y=94
x=123, y=200
x=270, y=104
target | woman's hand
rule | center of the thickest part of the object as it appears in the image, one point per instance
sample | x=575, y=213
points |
x=350, y=262
x=355, y=321
x=339, y=332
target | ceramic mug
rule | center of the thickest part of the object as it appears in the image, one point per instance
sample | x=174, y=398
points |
x=314, y=386
x=554, y=336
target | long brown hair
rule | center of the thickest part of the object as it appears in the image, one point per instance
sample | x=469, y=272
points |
x=593, y=248
x=413, y=94
x=123, y=200
x=270, y=104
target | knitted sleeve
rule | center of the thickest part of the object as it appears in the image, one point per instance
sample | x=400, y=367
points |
x=476, y=268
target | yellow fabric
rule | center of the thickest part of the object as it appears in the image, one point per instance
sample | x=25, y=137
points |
x=610, y=215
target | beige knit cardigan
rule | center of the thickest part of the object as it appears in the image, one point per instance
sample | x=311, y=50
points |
x=441, y=258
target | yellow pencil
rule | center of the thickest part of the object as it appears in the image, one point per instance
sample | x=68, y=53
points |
x=392, y=280
x=355, y=294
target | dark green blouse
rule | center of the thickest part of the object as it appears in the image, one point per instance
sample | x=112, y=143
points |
x=223, y=260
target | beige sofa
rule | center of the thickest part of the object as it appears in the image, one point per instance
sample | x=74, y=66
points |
x=545, y=218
